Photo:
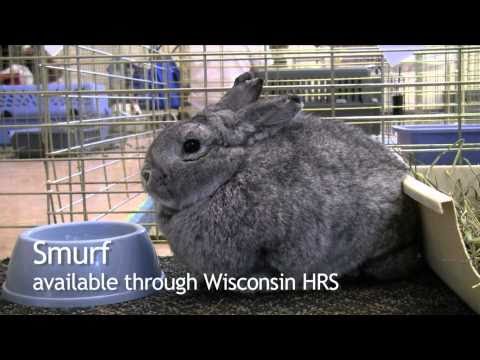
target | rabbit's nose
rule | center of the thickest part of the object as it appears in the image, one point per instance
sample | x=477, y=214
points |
x=146, y=175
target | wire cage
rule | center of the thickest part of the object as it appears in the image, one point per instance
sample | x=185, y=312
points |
x=76, y=120
x=311, y=86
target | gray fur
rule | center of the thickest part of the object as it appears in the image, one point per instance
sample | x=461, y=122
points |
x=275, y=190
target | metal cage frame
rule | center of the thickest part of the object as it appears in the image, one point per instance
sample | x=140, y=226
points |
x=77, y=177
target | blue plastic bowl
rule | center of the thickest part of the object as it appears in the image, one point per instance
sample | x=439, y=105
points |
x=130, y=252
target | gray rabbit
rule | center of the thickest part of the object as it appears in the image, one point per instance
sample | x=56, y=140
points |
x=252, y=186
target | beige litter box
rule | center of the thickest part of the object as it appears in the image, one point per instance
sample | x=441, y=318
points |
x=444, y=247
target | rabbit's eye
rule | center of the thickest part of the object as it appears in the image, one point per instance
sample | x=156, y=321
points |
x=191, y=146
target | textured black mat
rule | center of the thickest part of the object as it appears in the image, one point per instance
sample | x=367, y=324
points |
x=424, y=294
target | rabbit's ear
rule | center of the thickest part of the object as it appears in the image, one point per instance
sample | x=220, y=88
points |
x=242, y=78
x=246, y=90
x=263, y=119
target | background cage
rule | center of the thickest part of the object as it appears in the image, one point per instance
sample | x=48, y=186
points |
x=349, y=97
x=75, y=124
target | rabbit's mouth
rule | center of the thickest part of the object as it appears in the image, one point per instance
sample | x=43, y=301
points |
x=155, y=182
x=161, y=194
x=180, y=199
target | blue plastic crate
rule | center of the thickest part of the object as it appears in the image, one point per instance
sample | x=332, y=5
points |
x=22, y=109
x=156, y=80
x=27, y=141
x=5, y=137
x=439, y=134
x=89, y=105
x=30, y=106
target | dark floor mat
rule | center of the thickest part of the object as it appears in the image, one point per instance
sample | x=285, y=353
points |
x=424, y=294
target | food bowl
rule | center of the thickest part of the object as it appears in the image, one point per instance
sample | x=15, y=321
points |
x=56, y=265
